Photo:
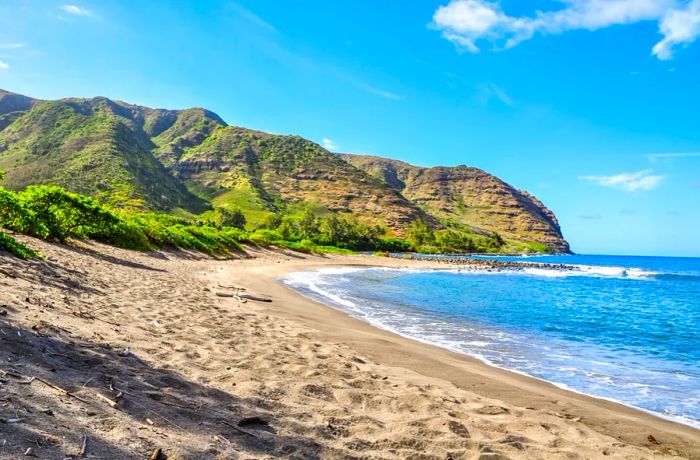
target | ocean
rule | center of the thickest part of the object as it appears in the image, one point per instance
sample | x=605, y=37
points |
x=623, y=328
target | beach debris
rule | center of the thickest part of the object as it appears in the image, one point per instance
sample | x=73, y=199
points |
x=11, y=421
x=157, y=454
x=243, y=295
x=126, y=351
x=259, y=298
x=113, y=404
x=652, y=439
x=84, y=447
x=253, y=421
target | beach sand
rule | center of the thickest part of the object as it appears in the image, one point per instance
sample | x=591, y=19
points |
x=118, y=353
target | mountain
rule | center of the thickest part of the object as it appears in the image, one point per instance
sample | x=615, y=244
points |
x=96, y=147
x=184, y=161
x=189, y=161
x=469, y=197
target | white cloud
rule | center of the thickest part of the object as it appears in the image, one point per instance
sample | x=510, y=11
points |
x=679, y=27
x=4, y=65
x=629, y=182
x=467, y=22
x=11, y=46
x=379, y=92
x=329, y=145
x=490, y=91
x=74, y=9
x=656, y=156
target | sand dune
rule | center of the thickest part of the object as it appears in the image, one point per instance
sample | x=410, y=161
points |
x=203, y=376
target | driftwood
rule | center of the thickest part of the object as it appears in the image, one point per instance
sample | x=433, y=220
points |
x=157, y=454
x=84, y=447
x=259, y=298
x=29, y=380
x=243, y=295
x=113, y=404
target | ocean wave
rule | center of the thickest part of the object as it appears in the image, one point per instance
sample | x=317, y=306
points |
x=592, y=270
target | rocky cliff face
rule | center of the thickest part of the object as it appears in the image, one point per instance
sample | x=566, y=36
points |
x=469, y=196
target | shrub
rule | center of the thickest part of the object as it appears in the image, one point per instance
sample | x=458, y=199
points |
x=16, y=248
x=271, y=222
x=66, y=214
x=16, y=216
x=229, y=217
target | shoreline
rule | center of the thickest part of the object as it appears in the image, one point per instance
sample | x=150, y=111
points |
x=504, y=268
x=561, y=386
x=627, y=423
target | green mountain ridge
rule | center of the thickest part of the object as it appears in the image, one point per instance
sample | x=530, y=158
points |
x=188, y=161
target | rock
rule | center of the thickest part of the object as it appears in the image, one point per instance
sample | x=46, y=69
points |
x=458, y=429
x=492, y=410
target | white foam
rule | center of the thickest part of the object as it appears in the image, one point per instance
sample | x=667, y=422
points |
x=591, y=270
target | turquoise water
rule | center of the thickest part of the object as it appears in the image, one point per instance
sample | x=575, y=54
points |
x=622, y=328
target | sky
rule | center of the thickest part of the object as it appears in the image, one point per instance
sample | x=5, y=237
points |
x=593, y=106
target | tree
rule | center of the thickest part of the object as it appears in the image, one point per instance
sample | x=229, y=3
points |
x=272, y=222
x=308, y=224
x=229, y=217
x=419, y=233
x=333, y=230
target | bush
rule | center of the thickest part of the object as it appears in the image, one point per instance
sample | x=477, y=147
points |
x=229, y=217
x=65, y=214
x=271, y=222
x=265, y=237
x=16, y=248
x=16, y=216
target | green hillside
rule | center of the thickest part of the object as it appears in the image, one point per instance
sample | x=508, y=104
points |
x=189, y=162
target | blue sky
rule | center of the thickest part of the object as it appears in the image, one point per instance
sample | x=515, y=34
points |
x=591, y=105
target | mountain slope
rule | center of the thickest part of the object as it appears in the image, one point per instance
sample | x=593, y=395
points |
x=470, y=197
x=12, y=106
x=134, y=156
x=96, y=147
x=189, y=161
x=262, y=172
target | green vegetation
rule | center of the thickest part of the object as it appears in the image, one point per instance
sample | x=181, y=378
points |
x=229, y=217
x=54, y=214
x=184, y=178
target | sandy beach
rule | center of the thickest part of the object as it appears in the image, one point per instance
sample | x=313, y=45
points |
x=115, y=354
